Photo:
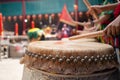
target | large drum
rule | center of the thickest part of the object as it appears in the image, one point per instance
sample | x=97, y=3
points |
x=70, y=60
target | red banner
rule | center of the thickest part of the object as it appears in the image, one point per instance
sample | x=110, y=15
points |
x=65, y=17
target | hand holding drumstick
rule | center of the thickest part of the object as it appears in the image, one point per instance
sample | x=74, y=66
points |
x=112, y=29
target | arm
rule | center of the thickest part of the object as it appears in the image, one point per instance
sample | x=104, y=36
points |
x=113, y=28
x=101, y=19
x=109, y=7
x=100, y=8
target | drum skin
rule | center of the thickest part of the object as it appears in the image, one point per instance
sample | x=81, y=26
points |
x=70, y=57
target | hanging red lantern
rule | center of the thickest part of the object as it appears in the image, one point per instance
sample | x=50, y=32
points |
x=39, y=16
x=46, y=16
x=33, y=17
x=16, y=29
x=28, y=17
x=15, y=18
x=1, y=25
x=4, y=18
x=59, y=14
x=33, y=24
x=75, y=6
x=52, y=15
x=72, y=13
x=9, y=18
x=80, y=14
x=20, y=17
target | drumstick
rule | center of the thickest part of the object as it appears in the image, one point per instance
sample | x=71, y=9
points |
x=88, y=6
x=79, y=23
x=87, y=35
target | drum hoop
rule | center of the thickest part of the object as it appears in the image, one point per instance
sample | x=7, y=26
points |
x=74, y=76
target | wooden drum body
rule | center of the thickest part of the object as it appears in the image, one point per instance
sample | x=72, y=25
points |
x=69, y=60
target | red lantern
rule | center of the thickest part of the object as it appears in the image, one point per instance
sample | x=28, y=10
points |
x=46, y=16
x=15, y=18
x=28, y=17
x=9, y=18
x=59, y=14
x=33, y=17
x=33, y=24
x=16, y=29
x=72, y=13
x=80, y=14
x=1, y=25
x=4, y=18
x=40, y=16
x=53, y=15
x=20, y=17
x=75, y=7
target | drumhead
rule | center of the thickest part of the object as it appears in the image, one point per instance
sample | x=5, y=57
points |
x=70, y=57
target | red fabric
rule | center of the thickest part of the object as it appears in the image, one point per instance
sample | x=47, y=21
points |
x=105, y=22
x=65, y=16
x=117, y=11
x=116, y=42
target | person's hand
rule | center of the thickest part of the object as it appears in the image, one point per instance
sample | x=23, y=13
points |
x=113, y=29
x=87, y=24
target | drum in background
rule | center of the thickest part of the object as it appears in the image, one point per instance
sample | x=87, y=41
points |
x=70, y=60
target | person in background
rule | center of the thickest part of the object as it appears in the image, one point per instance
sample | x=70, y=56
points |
x=65, y=31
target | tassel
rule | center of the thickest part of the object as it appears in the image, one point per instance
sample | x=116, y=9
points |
x=116, y=42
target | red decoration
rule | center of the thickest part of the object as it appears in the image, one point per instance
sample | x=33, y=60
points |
x=15, y=18
x=116, y=42
x=53, y=15
x=16, y=29
x=65, y=17
x=33, y=17
x=46, y=16
x=80, y=14
x=40, y=16
x=59, y=14
x=9, y=18
x=33, y=24
x=72, y=13
x=4, y=18
x=75, y=7
x=20, y=17
x=1, y=25
x=117, y=10
x=28, y=17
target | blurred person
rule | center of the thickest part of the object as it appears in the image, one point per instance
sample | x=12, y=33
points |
x=65, y=31
x=36, y=34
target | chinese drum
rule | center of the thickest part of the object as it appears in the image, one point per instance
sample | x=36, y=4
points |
x=70, y=60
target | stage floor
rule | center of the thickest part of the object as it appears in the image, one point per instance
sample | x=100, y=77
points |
x=10, y=69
